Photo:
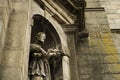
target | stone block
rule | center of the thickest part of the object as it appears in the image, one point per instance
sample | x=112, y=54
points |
x=110, y=49
x=110, y=76
x=113, y=16
x=86, y=77
x=83, y=50
x=118, y=11
x=111, y=21
x=100, y=15
x=112, y=68
x=104, y=28
x=93, y=4
x=12, y=58
x=89, y=15
x=92, y=35
x=91, y=1
x=103, y=21
x=114, y=26
x=105, y=35
x=84, y=70
x=108, y=42
x=91, y=21
x=10, y=73
x=97, y=51
x=115, y=2
x=116, y=37
x=116, y=76
x=82, y=60
x=117, y=21
x=114, y=58
x=111, y=11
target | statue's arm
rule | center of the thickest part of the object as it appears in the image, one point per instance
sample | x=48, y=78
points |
x=36, y=50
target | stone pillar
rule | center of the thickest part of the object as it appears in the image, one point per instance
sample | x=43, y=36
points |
x=71, y=34
x=17, y=40
x=5, y=9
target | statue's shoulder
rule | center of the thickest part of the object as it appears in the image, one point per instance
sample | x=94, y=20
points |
x=34, y=46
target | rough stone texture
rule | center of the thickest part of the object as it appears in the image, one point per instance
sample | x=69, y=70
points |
x=10, y=73
x=73, y=58
x=112, y=8
x=116, y=37
x=13, y=50
x=98, y=58
x=66, y=70
x=92, y=3
x=5, y=9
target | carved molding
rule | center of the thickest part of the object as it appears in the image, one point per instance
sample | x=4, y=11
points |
x=76, y=7
x=54, y=10
x=72, y=28
x=95, y=9
x=83, y=34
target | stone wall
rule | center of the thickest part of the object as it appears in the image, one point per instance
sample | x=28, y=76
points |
x=112, y=8
x=116, y=37
x=92, y=3
x=98, y=58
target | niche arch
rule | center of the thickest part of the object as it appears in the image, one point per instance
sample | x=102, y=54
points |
x=41, y=24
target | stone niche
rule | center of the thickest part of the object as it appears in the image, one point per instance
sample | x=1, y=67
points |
x=40, y=24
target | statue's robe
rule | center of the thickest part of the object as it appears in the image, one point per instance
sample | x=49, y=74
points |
x=38, y=64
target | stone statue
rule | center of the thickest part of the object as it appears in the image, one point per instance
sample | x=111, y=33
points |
x=39, y=68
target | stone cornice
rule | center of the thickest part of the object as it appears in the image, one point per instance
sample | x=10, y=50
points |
x=70, y=28
x=62, y=11
x=95, y=9
x=54, y=10
x=75, y=7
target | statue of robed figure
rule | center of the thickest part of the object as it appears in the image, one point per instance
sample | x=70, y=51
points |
x=39, y=68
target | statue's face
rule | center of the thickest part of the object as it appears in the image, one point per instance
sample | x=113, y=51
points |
x=42, y=37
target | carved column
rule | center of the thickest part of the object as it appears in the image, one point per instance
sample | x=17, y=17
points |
x=14, y=58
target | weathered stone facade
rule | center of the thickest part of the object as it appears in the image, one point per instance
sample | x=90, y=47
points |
x=91, y=58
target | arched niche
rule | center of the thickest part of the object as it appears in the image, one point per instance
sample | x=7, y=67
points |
x=41, y=24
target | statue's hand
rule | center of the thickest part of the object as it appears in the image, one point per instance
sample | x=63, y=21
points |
x=38, y=54
x=52, y=53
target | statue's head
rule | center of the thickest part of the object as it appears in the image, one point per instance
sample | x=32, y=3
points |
x=41, y=36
